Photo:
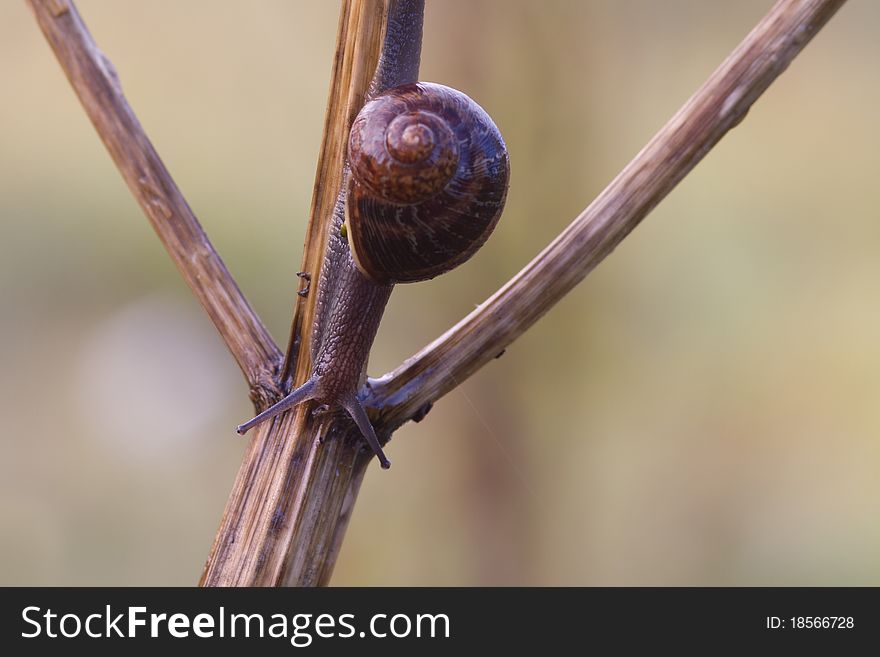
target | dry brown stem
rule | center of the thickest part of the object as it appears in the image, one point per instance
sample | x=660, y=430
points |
x=96, y=83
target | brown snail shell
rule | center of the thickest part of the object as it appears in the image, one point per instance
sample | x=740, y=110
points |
x=429, y=177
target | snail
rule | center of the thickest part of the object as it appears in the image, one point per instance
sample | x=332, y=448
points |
x=426, y=182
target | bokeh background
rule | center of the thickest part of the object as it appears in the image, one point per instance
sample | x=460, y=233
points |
x=702, y=410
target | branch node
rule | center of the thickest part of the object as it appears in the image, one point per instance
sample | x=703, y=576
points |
x=59, y=7
x=422, y=411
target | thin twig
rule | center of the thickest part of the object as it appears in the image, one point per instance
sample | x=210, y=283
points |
x=719, y=105
x=95, y=81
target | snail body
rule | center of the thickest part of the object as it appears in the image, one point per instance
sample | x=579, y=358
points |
x=427, y=180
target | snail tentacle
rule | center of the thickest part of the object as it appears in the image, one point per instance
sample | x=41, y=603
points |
x=359, y=414
x=304, y=393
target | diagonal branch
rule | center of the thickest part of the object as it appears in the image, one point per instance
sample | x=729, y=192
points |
x=719, y=105
x=95, y=82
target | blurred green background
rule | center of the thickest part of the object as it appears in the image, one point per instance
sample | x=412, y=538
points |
x=703, y=410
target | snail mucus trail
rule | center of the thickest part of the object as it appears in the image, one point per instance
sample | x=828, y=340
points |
x=427, y=179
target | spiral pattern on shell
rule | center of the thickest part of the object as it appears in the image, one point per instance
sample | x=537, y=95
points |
x=429, y=177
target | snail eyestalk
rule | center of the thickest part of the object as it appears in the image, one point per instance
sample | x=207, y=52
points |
x=301, y=394
x=308, y=391
x=359, y=414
